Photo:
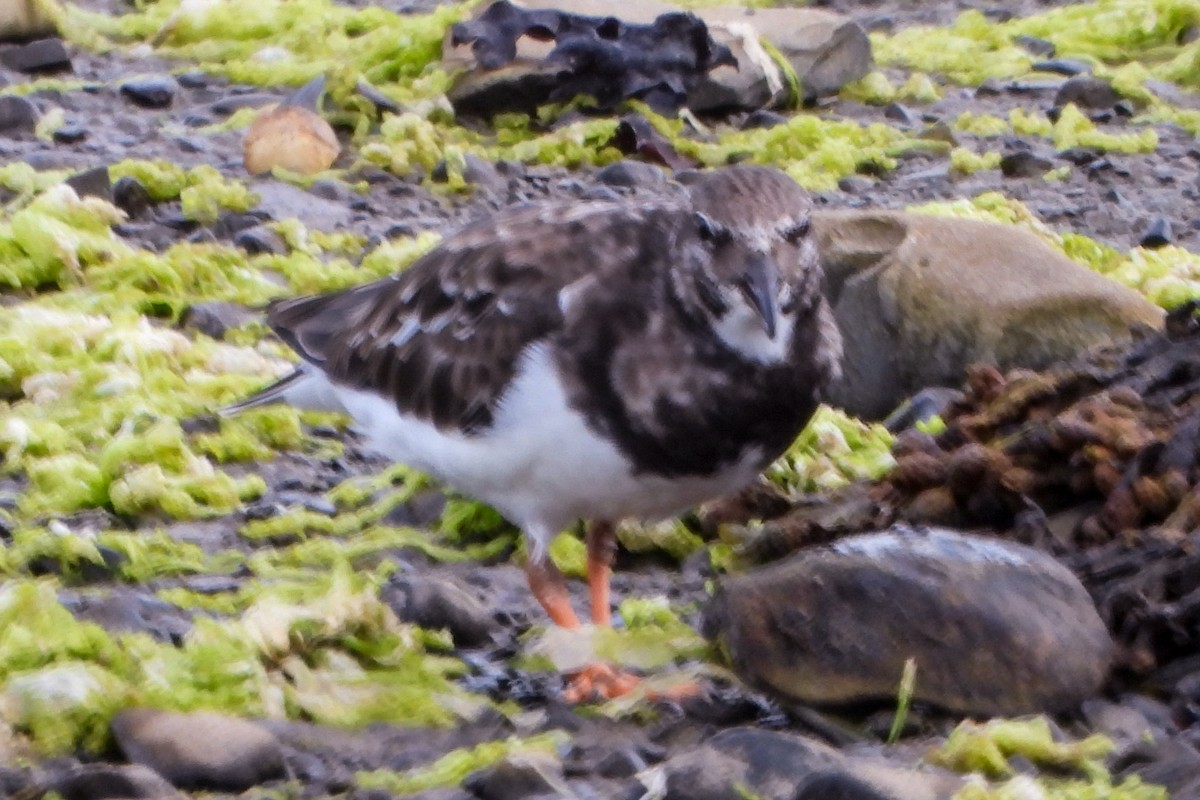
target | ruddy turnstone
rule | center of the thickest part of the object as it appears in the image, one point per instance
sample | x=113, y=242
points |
x=597, y=360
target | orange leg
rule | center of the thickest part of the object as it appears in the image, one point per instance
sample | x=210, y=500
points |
x=550, y=588
x=601, y=552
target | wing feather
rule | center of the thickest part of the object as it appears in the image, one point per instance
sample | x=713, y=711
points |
x=443, y=338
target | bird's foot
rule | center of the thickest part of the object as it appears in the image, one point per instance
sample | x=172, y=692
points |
x=597, y=682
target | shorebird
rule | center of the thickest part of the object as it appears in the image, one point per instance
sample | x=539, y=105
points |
x=596, y=360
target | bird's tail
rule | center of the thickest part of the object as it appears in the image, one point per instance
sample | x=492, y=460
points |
x=304, y=387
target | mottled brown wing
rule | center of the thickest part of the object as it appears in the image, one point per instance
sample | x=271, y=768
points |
x=443, y=338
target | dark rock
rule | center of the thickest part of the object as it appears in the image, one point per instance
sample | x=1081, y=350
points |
x=1063, y=66
x=1034, y=45
x=436, y=604
x=837, y=785
x=519, y=778
x=1087, y=91
x=92, y=182
x=1158, y=233
x=704, y=774
x=70, y=133
x=899, y=113
x=17, y=115
x=630, y=174
x=215, y=318
x=231, y=223
x=44, y=55
x=260, y=239
x=763, y=119
x=856, y=184
x=151, y=91
x=996, y=628
x=330, y=190
x=129, y=195
x=381, y=101
x=200, y=750
x=194, y=79
x=1024, y=164
x=227, y=105
x=122, y=609
x=104, y=782
x=1079, y=156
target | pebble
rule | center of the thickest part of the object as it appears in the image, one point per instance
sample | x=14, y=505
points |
x=260, y=239
x=104, y=782
x=215, y=319
x=1035, y=45
x=630, y=174
x=435, y=603
x=1024, y=164
x=1157, y=234
x=995, y=627
x=152, y=91
x=1063, y=66
x=763, y=119
x=43, y=55
x=129, y=195
x=519, y=777
x=199, y=750
x=17, y=115
x=899, y=113
x=93, y=182
x=70, y=133
x=1087, y=91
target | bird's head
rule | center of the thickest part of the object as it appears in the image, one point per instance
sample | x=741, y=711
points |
x=749, y=265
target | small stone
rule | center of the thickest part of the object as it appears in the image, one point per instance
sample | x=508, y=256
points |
x=1034, y=45
x=1063, y=66
x=899, y=113
x=129, y=195
x=105, y=782
x=17, y=115
x=1024, y=164
x=153, y=91
x=200, y=750
x=216, y=318
x=436, y=604
x=836, y=784
x=193, y=80
x=763, y=119
x=1158, y=233
x=1079, y=156
x=43, y=55
x=519, y=777
x=630, y=174
x=92, y=182
x=996, y=628
x=330, y=190
x=856, y=184
x=70, y=133
x=260, y=239
x=1087, y=91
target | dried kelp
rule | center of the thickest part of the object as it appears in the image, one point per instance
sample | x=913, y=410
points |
x=602, y=57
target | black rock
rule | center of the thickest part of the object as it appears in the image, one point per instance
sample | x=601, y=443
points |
x=763, y=119
x=1034, y=45
x=152, y=91
x=193, y=80
x=129, y=195
x=899, y=113
x=260, y=239
x=1024, y=164
x=44, y=55
x=1087, y=91
x=836, y=784
x=215, y=318
x=1158, y=233
x=17, y=115
x=233, y=222
x=70, y=133
x=630, y=174
x=1063, y=66
x=92, y=182
x=1079, y=156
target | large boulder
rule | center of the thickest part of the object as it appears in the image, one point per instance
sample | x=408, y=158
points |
x=919, y=298
x=995, y=628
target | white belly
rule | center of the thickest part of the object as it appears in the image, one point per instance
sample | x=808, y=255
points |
x=539, y=464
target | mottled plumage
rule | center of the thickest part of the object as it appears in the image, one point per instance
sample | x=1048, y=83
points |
x=595, y=359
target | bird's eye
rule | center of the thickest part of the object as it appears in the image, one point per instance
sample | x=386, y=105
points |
x=710, y=231
x=794, y=233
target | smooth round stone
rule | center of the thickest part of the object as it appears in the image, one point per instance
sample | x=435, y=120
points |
x=996, y=628
x=153, y=91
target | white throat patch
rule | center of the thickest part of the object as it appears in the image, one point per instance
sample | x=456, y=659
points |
x=742, y=329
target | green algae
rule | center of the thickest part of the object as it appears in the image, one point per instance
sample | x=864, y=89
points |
x=833, y=450
x=1074, y=129
x=967, y=161
x=325, y=649
x=453, y=768
x=981, y=124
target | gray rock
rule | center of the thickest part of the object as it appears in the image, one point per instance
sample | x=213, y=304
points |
x=131, y=196
x=918, y=298
x=215, y=318
x=1087, y=91
x=630, y=174
x=43, y=55
x=93, y=182
x=151, y=91
x=280, y=200
x=436, y=604
x=704, y=774
x=17, y=115
x=520, y=777
x=995, y=628
x=106, y=782
x=199, y=750
x=1024, y=164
